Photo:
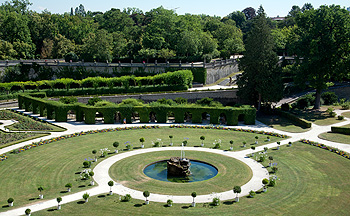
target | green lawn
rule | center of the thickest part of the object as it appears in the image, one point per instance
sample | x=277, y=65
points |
x=281, y=123
x=317, y=117
x=129, y=171
x=312, y=181
x=346, y=114
x=336, y=137
x=53, y=165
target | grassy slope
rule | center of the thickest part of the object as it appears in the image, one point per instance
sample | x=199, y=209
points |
x=312, y=182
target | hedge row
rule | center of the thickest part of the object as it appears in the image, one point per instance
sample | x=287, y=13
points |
x=182, y=78
x=87, y=113
x=79, y=73
x=341, y=130
x=99, y=91
x=298, y=121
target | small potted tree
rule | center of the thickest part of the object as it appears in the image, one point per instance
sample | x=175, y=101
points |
x=146, y=195
x=253, y=148
x=69, y=187
x=184, y=143
x=231, y=142
x=252, y=194
x=110, y=184
x=116, y=145
x=271, y=159
x=278, y=143
x=265, y=149
x=265, y=182
x=202, y=138
x=142, y=140
x=268, y=139
x=244, y=144
x=91, y=173
x=171, y=140
x=256, y=139
x=10, y=201
x=290, y=144
x=41, y=196
x=59, y=199
x=193, y=194
x=94, y=153
x=237, y=190
x=169, y=202
x=86, y=197
x=27, y=211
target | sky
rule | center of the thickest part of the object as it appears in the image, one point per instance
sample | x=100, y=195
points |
x=221, y=8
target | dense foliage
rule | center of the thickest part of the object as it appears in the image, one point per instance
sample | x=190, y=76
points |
x=114, y=35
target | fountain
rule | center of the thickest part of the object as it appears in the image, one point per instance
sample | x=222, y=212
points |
x=177, y=169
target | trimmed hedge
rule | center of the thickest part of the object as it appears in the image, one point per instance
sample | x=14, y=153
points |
x=59, y=111
x=341, y=130
x=298, y=121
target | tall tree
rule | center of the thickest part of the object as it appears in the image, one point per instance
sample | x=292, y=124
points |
x=261, y=77
x=324, y=44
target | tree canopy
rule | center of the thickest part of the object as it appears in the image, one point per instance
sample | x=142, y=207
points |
x=323, y=47
x=261, y=77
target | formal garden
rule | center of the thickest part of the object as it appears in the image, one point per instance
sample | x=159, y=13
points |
x=66, y=151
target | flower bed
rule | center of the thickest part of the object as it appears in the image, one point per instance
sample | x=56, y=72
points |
x=6, y=138
x=230, y=129
x=322, y=146
x=24, y=122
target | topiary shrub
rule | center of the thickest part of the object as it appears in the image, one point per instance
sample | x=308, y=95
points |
x=216, y=201
x=329, y=98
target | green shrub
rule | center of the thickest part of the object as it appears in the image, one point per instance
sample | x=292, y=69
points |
x=345, y=106
x=329, y=98
x=216, y=201
x=68, y=100
x=331, y=112
x=126, y=198
x=341, y=130
x=87, y=164
x=27, y=211
x=272, y=182
x=340, y=117
x=93, y=101
x=305, y=101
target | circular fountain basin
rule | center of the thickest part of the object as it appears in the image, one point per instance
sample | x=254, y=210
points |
x=200, y=171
